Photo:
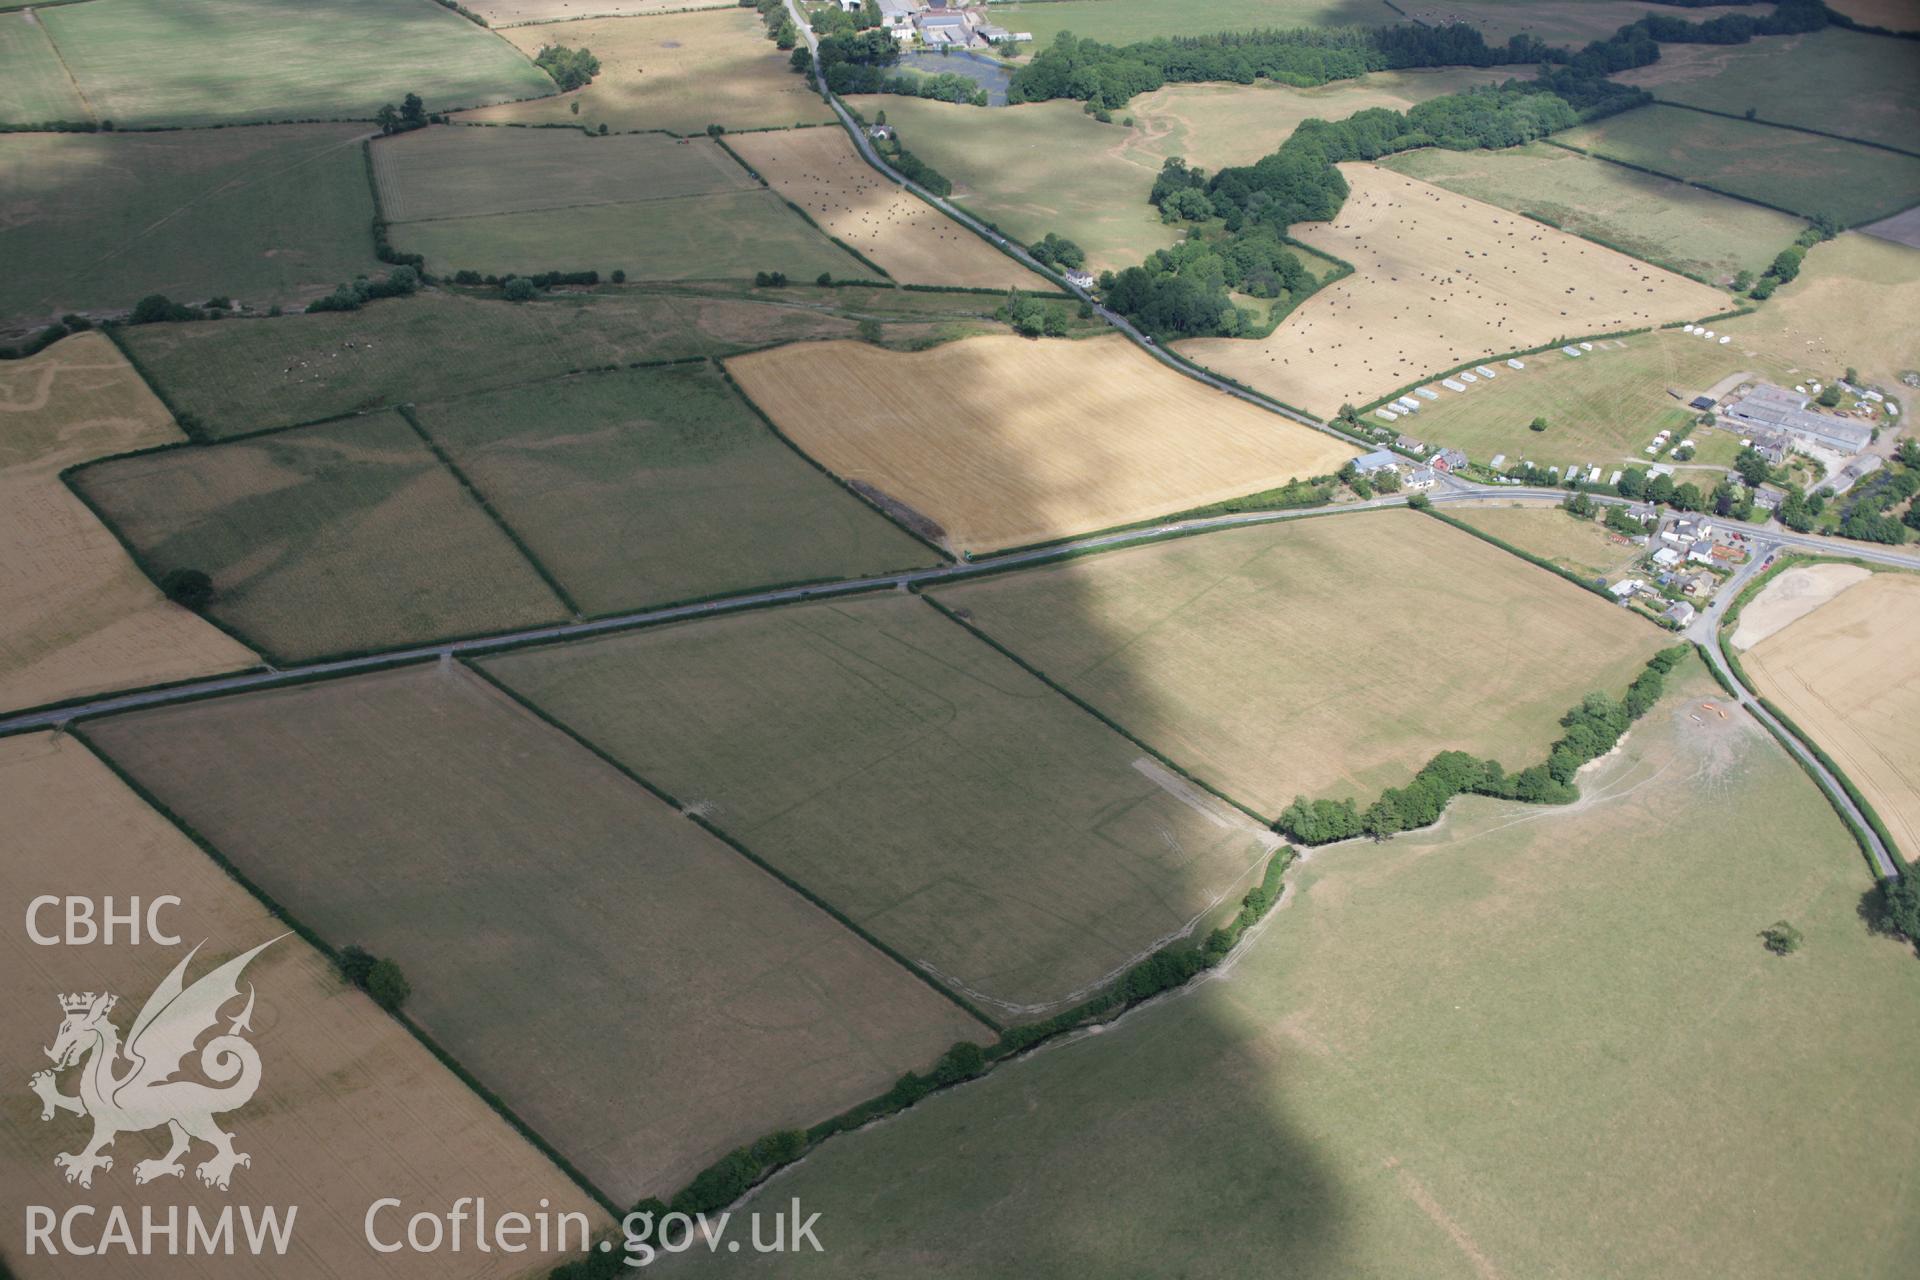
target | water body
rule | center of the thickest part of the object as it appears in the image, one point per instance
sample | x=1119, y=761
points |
x=977, y=67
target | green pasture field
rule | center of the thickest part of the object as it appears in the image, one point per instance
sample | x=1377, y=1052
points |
x=1577, y=544
x=1834, y=80
x=1526, y=1042
x=1661, y=221
x=328, y=539
x=726, y=236
x=1565, y=23
x=1008, y=167
x=198, y=62
x=1125, y=21
x=648, y=486
x=98, y=221
x=1806, y=174
x=916, y=780
x=470, y=172
x=679, y=71
x=1326, y=657
x=546, y=912
x=1603, y=408
x=34, y=87
x=241, y=376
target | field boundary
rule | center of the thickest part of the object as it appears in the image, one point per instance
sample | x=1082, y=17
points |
x=188, y=423
x=1781, y=124
x=1555, y=345
x=1558, y=571
x=713, y=829
x=307, y=934
x=977, y=633
x=473, y=491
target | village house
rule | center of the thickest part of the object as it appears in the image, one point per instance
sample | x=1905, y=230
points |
x=1681, y=614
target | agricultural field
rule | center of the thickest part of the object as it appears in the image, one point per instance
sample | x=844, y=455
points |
x=1440, y=279
x=465, y=173
x=242, y=377
x=1582, y=546
x=679, y=72
x=1602, y=409
x=34, y=88
x=322, y=540
x=1009, y=166
x=819, y=170
x=1667, y=223
x=1835, y=313
x=1001, y=441
x=1833, y=80
x=334, y=1066
x=648, y=486
x=510, y=13
x=1801, y=172
x=1268, y=662
x=1848, y=673
x=987, y=829
x=202, y=62
x=1901, y=228
x=1218, y=125
x=1526, y=1042
x=1125, y=21
x=528, y=200
x=1893, y=15
x=1567, y=23
x=98, y=221
x=76, y=614
x=557, y=922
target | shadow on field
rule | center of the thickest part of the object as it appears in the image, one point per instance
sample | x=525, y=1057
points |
x=1150, y=1147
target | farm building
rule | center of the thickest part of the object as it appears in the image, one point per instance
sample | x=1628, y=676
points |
x=1379, y=460
x=1777, y=409
x=1854, y=472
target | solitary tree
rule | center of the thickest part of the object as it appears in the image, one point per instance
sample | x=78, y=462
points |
x=1781, y=938
x=1538, y=424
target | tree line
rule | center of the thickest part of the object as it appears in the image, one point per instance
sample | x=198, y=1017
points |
x=1590, y=730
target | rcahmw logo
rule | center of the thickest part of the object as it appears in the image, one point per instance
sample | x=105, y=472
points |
x=133, y=1086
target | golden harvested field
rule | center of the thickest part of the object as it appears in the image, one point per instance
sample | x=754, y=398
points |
x=1330, y=656
x=1836, y=313
x=1440, y=279
x=350, y=1106
x=1217, y=125
x=509, y=13
x=819, y=170
x=1849, y=674
x=346, y=536
x=76, y=614
x=1003, y=441
x=642, y=995
x=679, y=72
x=1584, y=546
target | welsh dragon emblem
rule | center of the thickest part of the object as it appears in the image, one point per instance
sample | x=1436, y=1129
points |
x=131, y=1087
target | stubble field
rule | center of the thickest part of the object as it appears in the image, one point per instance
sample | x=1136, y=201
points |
x=1849, y=674
x=1835, y=312
x=1803, y=172
x=201, y=62
x=1440, y=279
x=648, y=486
x=903, y=771
x=509, y=13
x=350, y=1106
x=1527, y=1042
x=642, y=995
x=1327, y=657
x=1665, y=222
x=98, y=221
x=1582, y=546
x=1003, y=441
x=679, y=72
x=76, y=614
x=819, y=170
x=325, y=539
